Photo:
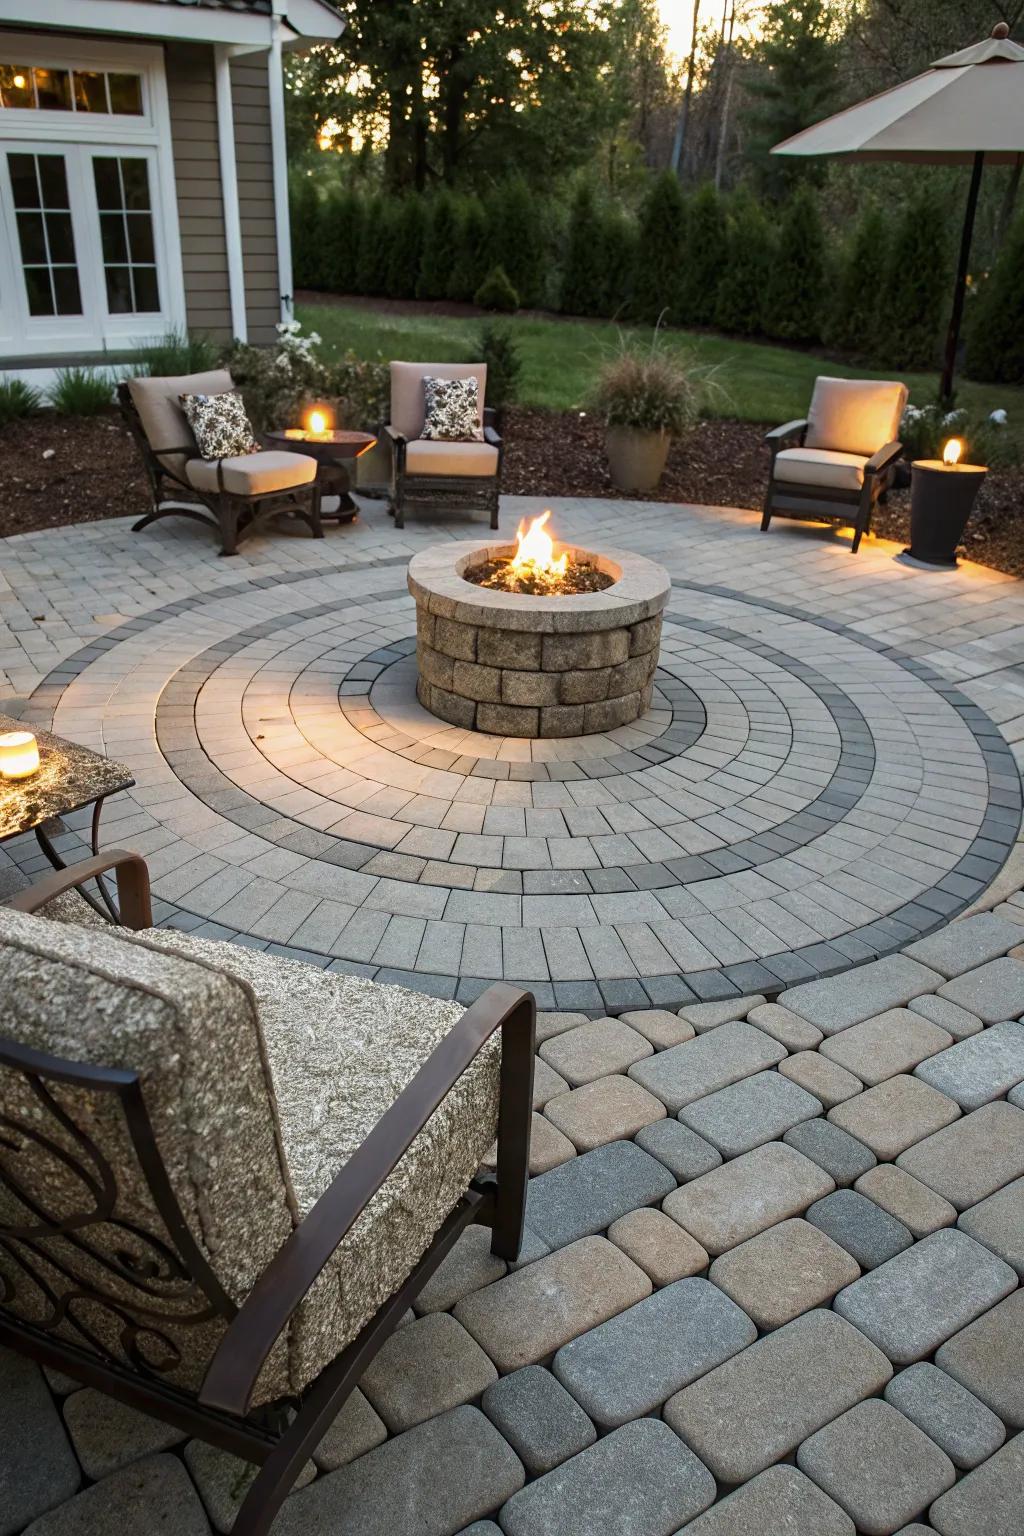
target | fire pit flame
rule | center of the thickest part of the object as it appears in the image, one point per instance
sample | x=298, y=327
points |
x=535, y=553
x=536, y=571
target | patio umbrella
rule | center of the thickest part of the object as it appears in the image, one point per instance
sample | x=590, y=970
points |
x=967, y=109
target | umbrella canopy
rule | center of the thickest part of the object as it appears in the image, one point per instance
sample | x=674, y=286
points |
x=967, y=109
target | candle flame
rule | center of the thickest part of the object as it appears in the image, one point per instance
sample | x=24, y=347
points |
x=317, y=423
x=535, y=551
x=952, y=451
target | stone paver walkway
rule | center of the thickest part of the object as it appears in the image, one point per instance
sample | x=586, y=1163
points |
x=773, y=1262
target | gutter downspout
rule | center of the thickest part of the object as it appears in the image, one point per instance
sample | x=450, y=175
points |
x=229, y=192
x=279, y=154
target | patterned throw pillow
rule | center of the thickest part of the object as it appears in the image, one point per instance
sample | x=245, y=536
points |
x=452, y=411
x=220, y=426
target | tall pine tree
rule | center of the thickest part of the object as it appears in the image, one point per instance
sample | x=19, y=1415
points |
x=794, y=298
x=792, y=80
x=749, y=246
x=853, y=317
x=703, y=261
x=660, y=250
x=585, y=274
x=916, y=292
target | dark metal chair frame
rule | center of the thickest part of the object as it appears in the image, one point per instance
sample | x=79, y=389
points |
x=233, y=517
x=279, y=1439
x=821, y=503
x=474, y=492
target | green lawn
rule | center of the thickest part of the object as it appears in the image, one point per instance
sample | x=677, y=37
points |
x=758, y=383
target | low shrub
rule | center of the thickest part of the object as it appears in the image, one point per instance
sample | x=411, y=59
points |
x=280, y=383
x=995, y=344
x=500, y=351
x=925, y=430
x=81, y=391
x=651, y=389
x=17, y=400
x=178, y=352
x=496, y=292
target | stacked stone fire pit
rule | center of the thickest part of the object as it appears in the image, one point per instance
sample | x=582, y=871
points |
x=515, y=664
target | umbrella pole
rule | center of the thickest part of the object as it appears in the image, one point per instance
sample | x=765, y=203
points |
x=953, y=334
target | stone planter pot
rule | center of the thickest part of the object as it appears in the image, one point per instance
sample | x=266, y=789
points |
x=636, y=459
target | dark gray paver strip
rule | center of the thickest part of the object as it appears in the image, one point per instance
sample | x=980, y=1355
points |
x=538, y=1418
x=864, y=1229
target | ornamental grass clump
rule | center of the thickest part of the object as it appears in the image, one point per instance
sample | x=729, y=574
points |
x=650, y=389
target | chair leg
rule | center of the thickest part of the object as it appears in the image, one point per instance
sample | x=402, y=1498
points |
x=227, y=516
x=494, y=507
x=766, y=515
x=315, y=521
x=398, y=503
x=515, y=1115
x=863, y=523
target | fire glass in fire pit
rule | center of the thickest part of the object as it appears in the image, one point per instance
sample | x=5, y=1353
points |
x=540, y=660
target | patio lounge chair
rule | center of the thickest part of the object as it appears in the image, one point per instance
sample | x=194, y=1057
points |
x=834, y=465
x=235, y=495
x=429, y=473
x=224, y=1176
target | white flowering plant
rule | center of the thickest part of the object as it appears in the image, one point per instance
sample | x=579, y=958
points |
x=280, y=383
x=925, y=429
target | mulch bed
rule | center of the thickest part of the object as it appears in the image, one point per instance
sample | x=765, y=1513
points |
x=95, y=472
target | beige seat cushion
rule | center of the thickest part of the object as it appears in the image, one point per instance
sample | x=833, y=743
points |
x=855, y=415
x=423, y=457
x=817, y=466
x=253, y=474
x=263, y=1076
x=163, y=420
x=407, y=397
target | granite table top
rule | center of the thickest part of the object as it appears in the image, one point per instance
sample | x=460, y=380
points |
x=69, y=776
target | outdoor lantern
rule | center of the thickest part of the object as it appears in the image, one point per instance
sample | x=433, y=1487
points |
x=19, y=755
x=941, y=498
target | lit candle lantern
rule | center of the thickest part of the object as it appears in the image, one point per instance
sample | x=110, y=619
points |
x=942, y=496
x=317, y=424
x=19, y=754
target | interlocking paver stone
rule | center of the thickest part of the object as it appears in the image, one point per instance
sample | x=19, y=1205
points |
x=593, y=1050
x=994, y=991
x=956, y=1021
x=224, y=1480
x=785, y=1026
x=546, y=1083
x=723, y=1056
x=842, y=1156
x=631, y=1364
x=894, y=1115
x=481, y=1528
x=827, y=1081
x=588, y=1194
x=434, y=1479
x=980, y=1069
x=356, y=1430
x=973, y=1158
x=606, y=1110
x=685, y=1154
x=424, y=1369
x=740, y=1199
x=987, y=1502
x=914, y=1302
x=839, y=1001
x=988, y=1359
x=963, y=945
x=892, y=1042
x=778, y=1502
x=998, y=1222
x=531, y=1313
x=760, y=1405
x=549, y=1024
x=107, y=1434
x=470, y=1265
x=906, y=1198
x=638, y=1481
x=705, y=1016
x=860, y=1226
x=747, y=1114
x=878, y=1465
x=659, y=1245
x=959, y=1424
x=660, y=1027
x=37, y=1468
x=151, y=1495
x=539, y=1419
x=548, y=1147
x=784, y=1271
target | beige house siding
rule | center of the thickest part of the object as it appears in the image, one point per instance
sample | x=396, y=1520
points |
x=193, y=110
x=251, y=99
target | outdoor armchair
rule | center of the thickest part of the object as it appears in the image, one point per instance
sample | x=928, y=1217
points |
x=837, y=463
x=429, y=473
x=235, y=495
x=224, y=1176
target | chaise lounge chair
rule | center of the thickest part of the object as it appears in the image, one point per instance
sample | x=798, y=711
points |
x=224, y=1176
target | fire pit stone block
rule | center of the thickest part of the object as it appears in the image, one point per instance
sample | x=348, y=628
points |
x=515, y=665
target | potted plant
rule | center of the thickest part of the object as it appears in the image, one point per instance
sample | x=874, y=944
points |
x=647, y=396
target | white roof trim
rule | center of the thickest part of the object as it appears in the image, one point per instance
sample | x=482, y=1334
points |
x=311, y=20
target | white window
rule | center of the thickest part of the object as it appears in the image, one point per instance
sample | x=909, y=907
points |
x=89, y=252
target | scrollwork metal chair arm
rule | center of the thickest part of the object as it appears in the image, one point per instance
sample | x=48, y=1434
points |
x=248, y=1341
x=132, y=885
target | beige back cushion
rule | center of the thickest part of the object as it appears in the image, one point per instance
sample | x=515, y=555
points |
x=190, y=1032
x=855, y=415
x=163, y=420
x=407, y=402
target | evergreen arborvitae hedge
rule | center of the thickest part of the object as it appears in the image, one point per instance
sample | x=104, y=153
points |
x=497, y=292
x=704, y=258
x=995, y=343
x=440, y=247
x=470, y=267
x=917, y=283
x=660, y=247
x=620, y=245
x=340, y=237
x=406, y=253
x=749, y=246
x=795, y=293
x=516, y=238
x=304, y=202
x=585, y=276
x=852, y=322
x=375, y=234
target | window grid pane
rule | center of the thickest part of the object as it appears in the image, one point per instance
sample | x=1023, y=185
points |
x=43, y=216
x=126, y=227
x=37, y=88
